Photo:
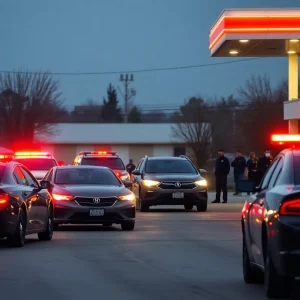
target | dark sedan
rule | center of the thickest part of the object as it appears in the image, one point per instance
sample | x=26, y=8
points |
x=90, y=195
x=271, y=227
x=169, y=181
x=25, y=207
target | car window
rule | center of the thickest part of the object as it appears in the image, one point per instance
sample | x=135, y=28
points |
x=296, y=166
x=37, y=164
x=49, y=176
x=268, y=174
x=20, y=177
x=276, y=173
x=2, y=170
x=86, y=176
x=114, y=163
x=139, y=164
x=30, y=179
x=167, y=166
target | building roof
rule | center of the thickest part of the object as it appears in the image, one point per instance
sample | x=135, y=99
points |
x=256, y=33
x=100, y=133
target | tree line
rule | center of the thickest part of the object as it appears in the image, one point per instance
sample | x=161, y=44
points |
x=32, y=102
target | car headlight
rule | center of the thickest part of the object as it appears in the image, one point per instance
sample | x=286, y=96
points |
x=151, y=183
x=59, y=197
x=201, y=182
x=125, y=177
x=129, y=197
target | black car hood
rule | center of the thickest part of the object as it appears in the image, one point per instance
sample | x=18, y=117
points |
x=173, y=177
x=91, y=190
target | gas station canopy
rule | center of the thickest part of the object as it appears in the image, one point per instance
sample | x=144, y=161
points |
x=256, y=33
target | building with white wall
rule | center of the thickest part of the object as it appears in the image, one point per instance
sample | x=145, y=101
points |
x=128, y=140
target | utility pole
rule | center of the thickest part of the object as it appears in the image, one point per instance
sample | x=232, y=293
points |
x=126, y=79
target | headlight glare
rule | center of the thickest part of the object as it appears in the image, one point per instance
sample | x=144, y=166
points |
x=129, y=197
x=150, y=183
x=201, y=182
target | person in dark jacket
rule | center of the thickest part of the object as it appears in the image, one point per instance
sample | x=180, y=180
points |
x=222, y=169
x=252, y=169
x=264, y=163
x=239, y=166
x=130, y=167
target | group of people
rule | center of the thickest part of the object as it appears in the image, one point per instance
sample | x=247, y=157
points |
x=252, y=169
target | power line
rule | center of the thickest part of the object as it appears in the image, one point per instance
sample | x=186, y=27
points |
x=134, y=71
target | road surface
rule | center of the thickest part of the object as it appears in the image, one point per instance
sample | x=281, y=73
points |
x=172, y=254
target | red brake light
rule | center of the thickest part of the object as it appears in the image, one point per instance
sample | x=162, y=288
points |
x=290, y=208
x=118, y=174
x=3, y=199
x=246, y=208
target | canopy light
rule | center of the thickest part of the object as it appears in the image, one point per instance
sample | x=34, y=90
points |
x=244, y=41
x=233, y=52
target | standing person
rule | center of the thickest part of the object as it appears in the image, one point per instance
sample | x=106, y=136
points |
x=264, y=163
x=252, y=169
x=130, y=167
x=222, y=169
x=239, y=166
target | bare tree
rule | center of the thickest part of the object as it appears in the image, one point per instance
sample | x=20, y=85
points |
x=192, y=128
x=263, y=111
x=29, y=103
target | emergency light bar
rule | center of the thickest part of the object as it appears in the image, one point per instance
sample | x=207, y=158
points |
x=282, y=139
x=32, y=154
x=97, y=153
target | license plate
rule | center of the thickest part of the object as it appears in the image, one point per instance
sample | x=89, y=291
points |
x=178, y=195
x=96, y=212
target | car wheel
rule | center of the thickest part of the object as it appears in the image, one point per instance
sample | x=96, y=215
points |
x=276, y=286
x=202, y=207
x=188, y=206
x=128, y=226
x=18, y=239
x=250, y=273
x=48, y=233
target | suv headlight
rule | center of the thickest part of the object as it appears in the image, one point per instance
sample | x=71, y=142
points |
x=129, y=197
x=150, y=183
x=201, y=182
x=125, y=177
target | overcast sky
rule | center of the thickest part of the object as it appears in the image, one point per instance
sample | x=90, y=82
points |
x=121, y=35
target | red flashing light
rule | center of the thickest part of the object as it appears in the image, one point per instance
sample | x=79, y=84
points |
x=282, y=139
x=34, y=153
x=290, y=208
x=245, y=209
x=6, y=158
x=118, y=174
x=3, y=199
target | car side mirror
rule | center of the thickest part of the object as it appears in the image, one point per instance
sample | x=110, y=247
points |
x=45, y=184
x=136, y=172
x=202, y=171
x=127, y=183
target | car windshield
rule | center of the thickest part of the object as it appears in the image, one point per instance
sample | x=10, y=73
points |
x=37, y=164
x=166, y=166
x=2, y=169
x=86, y=176
x=114, y=163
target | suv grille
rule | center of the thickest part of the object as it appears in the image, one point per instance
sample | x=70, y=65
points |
x=170, y=185
x=89, y=201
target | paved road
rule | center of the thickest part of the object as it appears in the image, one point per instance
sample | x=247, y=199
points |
x=172, y=254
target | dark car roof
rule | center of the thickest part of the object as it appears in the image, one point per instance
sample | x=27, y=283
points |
x=80, y=167
x=166, y=157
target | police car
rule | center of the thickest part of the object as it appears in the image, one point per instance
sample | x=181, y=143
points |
x=39, y=163
x=107, y=159
x=271, y=223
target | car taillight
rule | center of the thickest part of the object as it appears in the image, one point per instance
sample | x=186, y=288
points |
x=118, y=174
x=3, y=199
x=290, y=208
